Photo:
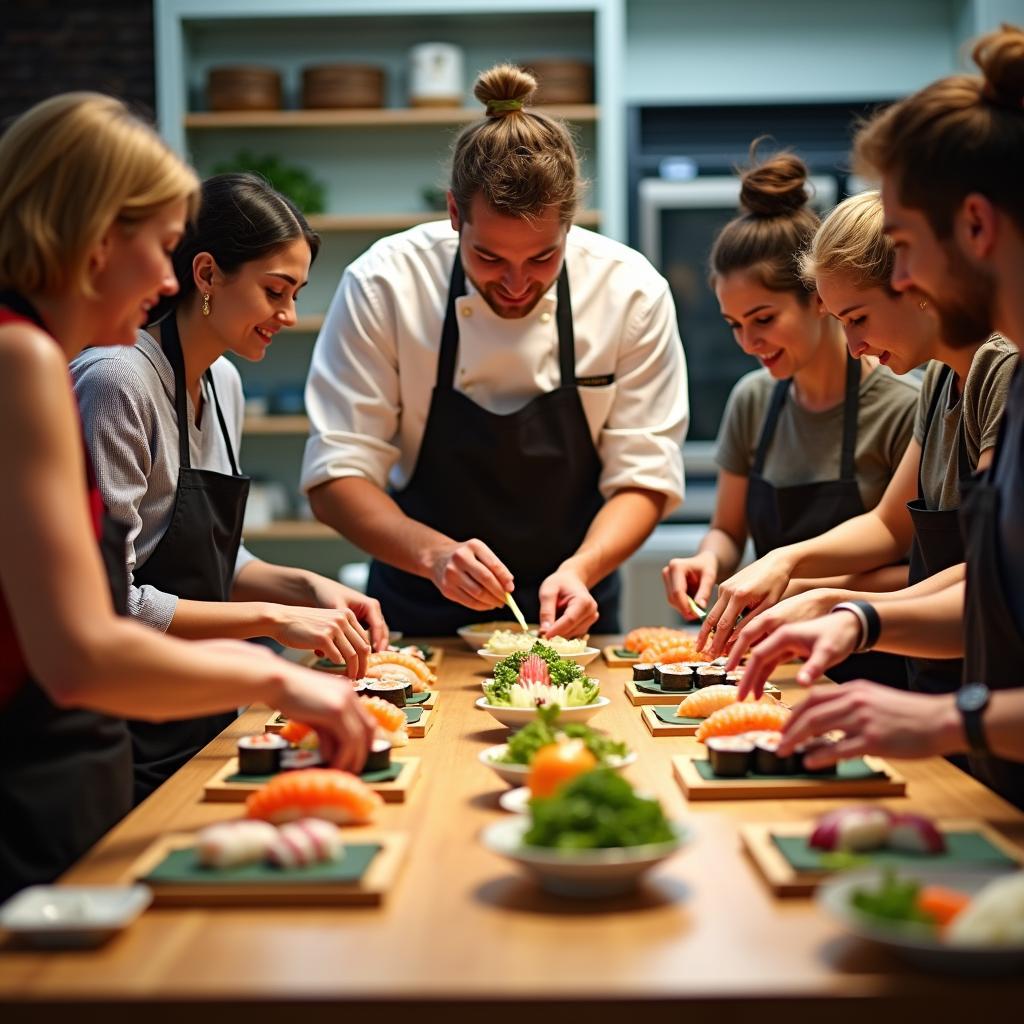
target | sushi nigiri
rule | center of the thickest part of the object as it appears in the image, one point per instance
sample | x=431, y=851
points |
x=709, y=700
x=304, y=842
x=230, y=844
x=736, y=718
x=391, y=721
x=314, y=793
x=397, y=660
x=673, y=651
x=300, y=735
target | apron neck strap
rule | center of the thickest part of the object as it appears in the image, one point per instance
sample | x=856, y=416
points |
x=170, y=342
x=933, y=406
x=851, y=403
x=450, y=332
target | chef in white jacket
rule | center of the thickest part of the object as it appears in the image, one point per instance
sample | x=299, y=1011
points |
x=498, y=400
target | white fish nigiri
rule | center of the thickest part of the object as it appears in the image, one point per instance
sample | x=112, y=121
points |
x=233, y=843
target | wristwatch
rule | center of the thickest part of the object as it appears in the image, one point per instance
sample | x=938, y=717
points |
x=971, y=701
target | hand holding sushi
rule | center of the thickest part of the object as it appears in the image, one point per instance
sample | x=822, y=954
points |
x=471, y=574
x=567, y=608
x=365, y=610
x=332, y=633
x=688, y=580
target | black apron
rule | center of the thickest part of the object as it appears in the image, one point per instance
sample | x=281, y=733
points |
x=777, y=516
x=993, y=644
x=65, y=773
x=194, y=560
x=937, y=546
x=525, y=483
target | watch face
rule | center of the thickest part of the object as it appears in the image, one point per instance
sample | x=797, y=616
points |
x=972, y=697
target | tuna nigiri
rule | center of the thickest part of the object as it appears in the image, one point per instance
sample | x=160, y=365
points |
x=736, y=718
x=391, y=721
x=314, y=793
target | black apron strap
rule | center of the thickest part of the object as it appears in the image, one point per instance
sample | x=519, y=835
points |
x=223, y=425
x=933, y=406
x=851, y=407
x=771, y=420
x=170, y=342
x=450, y=332
x=566, y=333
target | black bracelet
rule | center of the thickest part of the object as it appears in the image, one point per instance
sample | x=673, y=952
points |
x=871, y=623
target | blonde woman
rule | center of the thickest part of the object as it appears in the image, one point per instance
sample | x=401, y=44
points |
x=850, y=260
x=91, y=205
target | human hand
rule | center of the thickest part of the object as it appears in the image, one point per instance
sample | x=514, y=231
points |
x=822, y=642
x=748, y=592
x=690, y=579
x=567, y=608
x=811, y=604
x=330, y=594
x=330, y=632
x=471, y=574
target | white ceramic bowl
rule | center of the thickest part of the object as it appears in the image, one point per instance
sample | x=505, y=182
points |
x=515, y=774
x=516, y=718
x=910, y=942
x=585, y=657
x=72, y=916
x=475, y=636
x=586, y=874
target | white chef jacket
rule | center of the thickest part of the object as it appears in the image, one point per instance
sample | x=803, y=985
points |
x=375, y=362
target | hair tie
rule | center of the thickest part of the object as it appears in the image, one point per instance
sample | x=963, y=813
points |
x=992, y=95
x=503, y=106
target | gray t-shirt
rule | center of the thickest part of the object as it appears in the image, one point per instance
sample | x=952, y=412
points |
x=807, y=446
x=980, y=407
x=126, y=396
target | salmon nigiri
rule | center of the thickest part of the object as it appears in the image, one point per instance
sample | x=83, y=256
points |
x=314, y=793
x=710, y=699
x=747, y=717
x=391, y=721
x=415, y=665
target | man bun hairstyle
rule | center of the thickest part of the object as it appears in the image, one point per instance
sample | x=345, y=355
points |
x=774, y=226
x=520, y=161
x=959, y=135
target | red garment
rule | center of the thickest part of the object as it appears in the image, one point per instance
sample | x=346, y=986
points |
x=13, y=669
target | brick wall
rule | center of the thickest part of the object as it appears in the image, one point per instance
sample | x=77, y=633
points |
x=51, y=46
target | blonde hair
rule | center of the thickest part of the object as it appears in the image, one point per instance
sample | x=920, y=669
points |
x=69, y=168
x=774, y=226
x=522, y=162
x=851, y=241
x=959, y=135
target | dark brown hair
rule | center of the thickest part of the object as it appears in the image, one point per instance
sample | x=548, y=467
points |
x=959, y=135
x=775, y=225
x=522, y=162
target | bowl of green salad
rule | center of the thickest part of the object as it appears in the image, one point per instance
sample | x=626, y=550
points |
x=511, y=761
x=593, y=838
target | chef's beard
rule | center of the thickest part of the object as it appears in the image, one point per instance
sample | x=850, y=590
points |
x=490, y=295
x=966, y=319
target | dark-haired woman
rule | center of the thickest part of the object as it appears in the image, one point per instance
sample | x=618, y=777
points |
x=813, y=437
x=163, y=424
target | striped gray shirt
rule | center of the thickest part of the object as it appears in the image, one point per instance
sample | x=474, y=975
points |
x=126, y=395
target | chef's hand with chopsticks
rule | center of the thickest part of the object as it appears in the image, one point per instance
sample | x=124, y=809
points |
x=471, y=574
x=821, y=642
x=748, y=592
x=567, y=608
x=364, y=610
x=688, y=580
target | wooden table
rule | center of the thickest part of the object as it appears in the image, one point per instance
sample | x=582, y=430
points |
x=465, y=934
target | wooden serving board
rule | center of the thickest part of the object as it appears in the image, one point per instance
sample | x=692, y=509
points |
x=276, y=889
x=220, y=790
x=696, y=787
x=638, y=698
x=615, y=660
x=786, y=880
x=276, y=722
x=417, y=730
x=659, y=728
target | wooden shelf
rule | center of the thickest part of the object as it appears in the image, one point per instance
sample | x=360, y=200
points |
x=326, y=222
x=275, y=425
x=291, y=529
x=371, y=118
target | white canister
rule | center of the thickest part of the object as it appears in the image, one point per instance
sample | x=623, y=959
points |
x=436, y=75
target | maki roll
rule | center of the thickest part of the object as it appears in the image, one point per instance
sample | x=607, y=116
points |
x=730, y=756
x=710, y=675
x=766, y=756
x=643, y=672
x=359, y=686
x=391, y=690
x=675, y=677
x=379, y=757
x=812, y=747
x=733, y=678
x=261, y=754
x=293, y=760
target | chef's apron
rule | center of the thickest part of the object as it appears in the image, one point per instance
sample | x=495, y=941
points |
x=937, y=546
x=195, y=561
x=778, y=516
x=526, y=483
x=993, y=644
x=65, y=773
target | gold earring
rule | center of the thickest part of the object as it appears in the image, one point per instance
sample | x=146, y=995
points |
x=922, y=304
x=206, y=303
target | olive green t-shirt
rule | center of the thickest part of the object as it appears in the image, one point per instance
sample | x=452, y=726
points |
x=980, y=407
x=807, y=446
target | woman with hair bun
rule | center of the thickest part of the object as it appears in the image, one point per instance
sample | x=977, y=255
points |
x=498, y=400
x=813, y=437
x=163, y=422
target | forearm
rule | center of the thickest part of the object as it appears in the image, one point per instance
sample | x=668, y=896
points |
x=363, y=513
x=624, y=522
x=264, y=581
x=726, y=551
x=1003, y=723
x=929, y=626
x=222, y=620
x=867, y=585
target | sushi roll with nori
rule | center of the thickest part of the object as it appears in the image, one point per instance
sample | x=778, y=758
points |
x=294, y=760
x=379, y=757
x=710, y=675
x=733, y=678
x=811, y=747
x=730, y=756
x=675, y=678
x=391, y=690
x=359, y=686
x=766, y=756
x=261, y=754
x=643, y=672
